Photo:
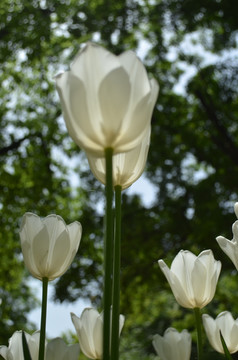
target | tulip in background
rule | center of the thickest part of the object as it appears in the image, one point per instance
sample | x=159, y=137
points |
x=48, y=244
x=173, y=345
x=89, y=328
x=230, y=247
x=193, y=279
x=15, y=352
x=57, y=350
x=127, y=167
x=225, y=323
x=107, y=100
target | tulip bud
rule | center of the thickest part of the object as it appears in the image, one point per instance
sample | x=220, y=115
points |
x=193, y=279
x=48, y=244
x=15, y=351
x=89, y=328
x=107, y=100
x=228, y=327
x=173, y=345
x=127, y=167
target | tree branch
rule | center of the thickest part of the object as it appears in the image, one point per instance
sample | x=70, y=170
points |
x=16, y=143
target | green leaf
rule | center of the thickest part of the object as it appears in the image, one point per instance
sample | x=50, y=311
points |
x=26, y=352
x=226, y=352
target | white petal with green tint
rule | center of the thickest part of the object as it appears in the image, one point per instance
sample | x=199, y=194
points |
x=192, y=279
x=49, y=250
x=107, y=100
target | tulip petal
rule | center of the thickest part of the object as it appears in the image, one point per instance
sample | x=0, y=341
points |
x=121, y=322
x=158, y=345
x=235, y=231
x=33, y=343
x=178, y=288
x=40, y=251
x=58, y=350
x=74, y=233
x=138, y=75
x=97, y=335
x=236, y=209
x=212, y=332
x=85, y=328
x=199, y=280
x=15, y=345
x=4, y=352
x=136, y=122
x=229, y=248
x=114, y=95
x=57, y=256
x=55, y=225
x=74, y=102
x=81, y=109
x=31, y=225
x=92, y=64
x=232, y=338
x=82, y=336
x=182, y=267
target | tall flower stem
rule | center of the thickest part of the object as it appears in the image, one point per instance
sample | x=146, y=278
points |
x=116, y=276
x=43, y=318
x=198, y=321
x=108, y=255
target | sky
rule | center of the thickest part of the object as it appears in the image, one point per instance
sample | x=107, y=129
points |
x=58, y=315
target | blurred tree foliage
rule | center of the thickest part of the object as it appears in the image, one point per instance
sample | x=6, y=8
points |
x=191, y=49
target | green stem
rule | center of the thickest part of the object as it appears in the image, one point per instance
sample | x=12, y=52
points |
x=108, y=255
x=43, y=318
x=198, y=320
x=116, y=276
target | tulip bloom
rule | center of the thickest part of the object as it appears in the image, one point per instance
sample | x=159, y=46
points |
x=230, y=247
x=107, y=100
x=127, y=167
x=89, y=328
x=57, y=350
x=225, y=324
x=193, y=279
x=173, y=345
x=48, y=244
x=15, y=351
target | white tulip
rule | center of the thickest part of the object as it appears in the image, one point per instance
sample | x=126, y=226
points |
x=107, y=100
x=48, y=244
x=15, y=351
x=57, y=350
x=225, y=324
x=230, y=247
x=89, y=328
x=127, y=167
x=173, y=345
x=193, y=279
